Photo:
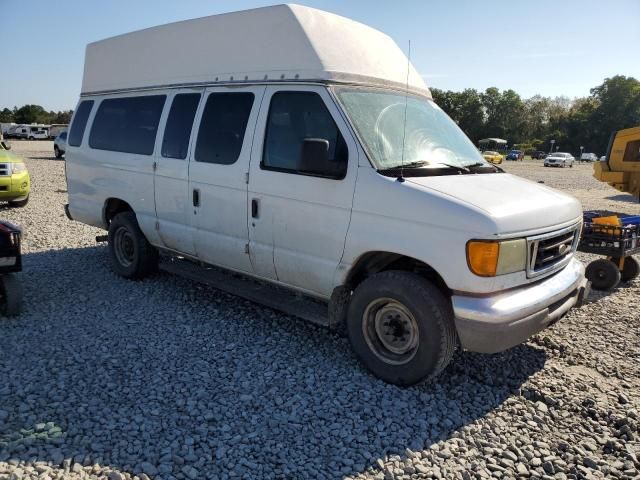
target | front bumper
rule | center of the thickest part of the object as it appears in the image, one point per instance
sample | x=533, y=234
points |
x=15, y=186
x=498, y=322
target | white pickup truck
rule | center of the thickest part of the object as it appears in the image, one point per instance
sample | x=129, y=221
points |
x=300, y=149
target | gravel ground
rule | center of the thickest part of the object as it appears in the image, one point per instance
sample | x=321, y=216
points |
x=164, y=379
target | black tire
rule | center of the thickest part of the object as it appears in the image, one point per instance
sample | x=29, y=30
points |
x=10, y=295
x=571, y=165
x=604, y=274
x=421, y=320
x=630, y=270
x=57, y=151
x=132, y=256
x=19, y=203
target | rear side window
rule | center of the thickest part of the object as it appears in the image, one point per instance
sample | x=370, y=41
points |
x=632, y=152
x=80, y=123
x=179, y=124
x=294, y=116
x=127, y=125
x=224, y=121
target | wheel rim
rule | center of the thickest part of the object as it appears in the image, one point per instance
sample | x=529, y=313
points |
x=391, y=331
x=124, y=246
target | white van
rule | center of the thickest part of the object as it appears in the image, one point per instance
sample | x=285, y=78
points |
x=300, y=149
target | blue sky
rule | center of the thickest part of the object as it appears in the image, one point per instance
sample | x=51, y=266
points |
x=550, y=47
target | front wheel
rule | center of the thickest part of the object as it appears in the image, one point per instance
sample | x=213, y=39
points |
x=132, y=256
x=401, y=327
x=57, y=151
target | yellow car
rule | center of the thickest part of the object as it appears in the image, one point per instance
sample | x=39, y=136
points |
x=15, y=183
x=492, y=157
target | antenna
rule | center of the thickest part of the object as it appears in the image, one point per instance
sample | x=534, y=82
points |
x=404, y=124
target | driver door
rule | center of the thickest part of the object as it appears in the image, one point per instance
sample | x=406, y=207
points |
x=298, y=222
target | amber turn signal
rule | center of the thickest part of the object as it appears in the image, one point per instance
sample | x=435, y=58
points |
x=483, y=257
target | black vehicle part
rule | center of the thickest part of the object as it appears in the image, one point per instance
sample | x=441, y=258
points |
x=10, y=295
x=630, y=269
x=604, y=274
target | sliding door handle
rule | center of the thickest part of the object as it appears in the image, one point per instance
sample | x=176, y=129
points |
x=196, y=197
x=254, y=208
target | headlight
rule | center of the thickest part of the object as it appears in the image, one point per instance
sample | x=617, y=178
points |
x=490, y=258
x=18, y=167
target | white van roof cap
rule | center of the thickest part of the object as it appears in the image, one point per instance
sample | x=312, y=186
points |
x=278, y=43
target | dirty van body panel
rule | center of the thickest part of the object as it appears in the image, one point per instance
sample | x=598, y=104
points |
x=171, y=182
x=218, y=175
x=80, y=172
x=301, y=220
x=122, y=166
x=515, y=204
x=438, y=225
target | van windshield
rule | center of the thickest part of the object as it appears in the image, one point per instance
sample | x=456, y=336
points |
x=431, y=138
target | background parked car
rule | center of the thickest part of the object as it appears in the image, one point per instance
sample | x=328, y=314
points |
x=515, y=155
x=538, y=155
x=559, y=159
x=38, y=134
x=588, y=157
x=60, y=144
x=492, y=157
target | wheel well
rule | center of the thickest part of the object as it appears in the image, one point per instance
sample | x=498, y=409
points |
x=375, y=262
x=112, y=207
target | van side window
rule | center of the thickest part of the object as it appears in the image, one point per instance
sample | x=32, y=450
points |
x=294, y=117
x=179, y=124
x=80, y=123
x=222, y=127
x=127, y=125
x=632, y=152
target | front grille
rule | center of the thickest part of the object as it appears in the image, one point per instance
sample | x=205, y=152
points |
x=552, y=250
x=5, y=169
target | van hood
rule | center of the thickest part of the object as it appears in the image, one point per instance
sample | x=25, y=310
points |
x=516, y=205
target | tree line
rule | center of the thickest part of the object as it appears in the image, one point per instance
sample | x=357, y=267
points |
x=34, y=114
x=530, y=124
x=527, y=124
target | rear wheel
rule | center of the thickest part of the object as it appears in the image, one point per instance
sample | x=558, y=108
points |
x=10, y=295
x=132, y=256
x=401, y=327
x=630, y=270
x=604, y=274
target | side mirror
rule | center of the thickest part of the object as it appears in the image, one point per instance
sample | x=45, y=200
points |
x=314, y=159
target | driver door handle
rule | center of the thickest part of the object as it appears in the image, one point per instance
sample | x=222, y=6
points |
x=196, y=197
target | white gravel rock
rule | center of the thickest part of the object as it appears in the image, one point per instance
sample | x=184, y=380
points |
x=106, y=378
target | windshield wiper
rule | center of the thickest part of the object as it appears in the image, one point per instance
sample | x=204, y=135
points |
x=422, y=163
x=482, y=165
x=457, y=168
x=408, y=166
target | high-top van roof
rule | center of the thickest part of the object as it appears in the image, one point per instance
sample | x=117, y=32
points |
x=271, y=44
